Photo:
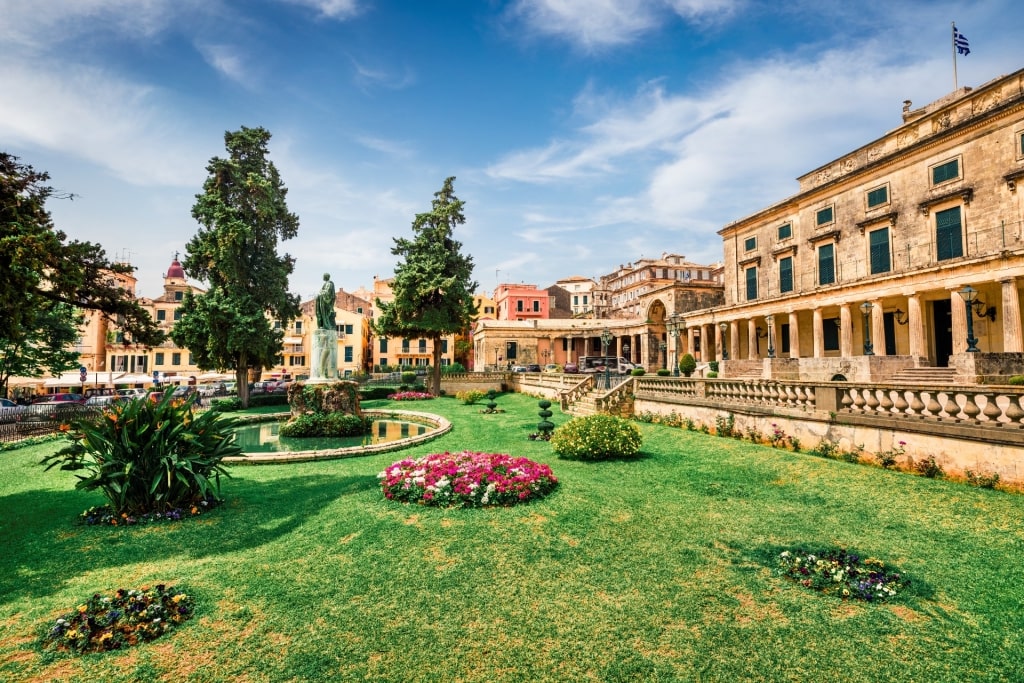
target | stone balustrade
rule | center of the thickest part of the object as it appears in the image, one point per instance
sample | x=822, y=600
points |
x=981, y=405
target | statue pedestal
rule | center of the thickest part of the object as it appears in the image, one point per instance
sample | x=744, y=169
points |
x=323, y=366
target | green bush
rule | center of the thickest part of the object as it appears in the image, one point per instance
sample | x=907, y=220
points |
x=712, y=374
x=1016, y=380
x=408, y=377
x=596, y=437
x=453, y=368
x=664, y=372
x=259, y=400
x=713, y=367
x=370, y=393
x=326, y=424
x=226, y=405
x=687, y=364
x=637, y=372
x=147, y=456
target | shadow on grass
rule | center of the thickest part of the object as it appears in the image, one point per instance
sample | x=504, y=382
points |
x=44, y=547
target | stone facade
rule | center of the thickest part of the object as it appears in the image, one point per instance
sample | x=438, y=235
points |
x=870, y=256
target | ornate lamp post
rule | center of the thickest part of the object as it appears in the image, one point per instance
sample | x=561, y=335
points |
x=770, y=319
x=725, y=349
x=606, y=339
x=865, y=309
x=674, y=324
x=969, y=293
x=664, y=354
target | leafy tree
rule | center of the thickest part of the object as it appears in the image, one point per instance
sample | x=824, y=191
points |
x=243, y=214
x=43, y=275
x=432, y=286
x=45, y=348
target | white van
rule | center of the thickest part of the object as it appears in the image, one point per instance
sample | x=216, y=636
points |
x=618, y=365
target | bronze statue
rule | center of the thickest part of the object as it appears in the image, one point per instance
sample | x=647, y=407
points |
x=325, y=316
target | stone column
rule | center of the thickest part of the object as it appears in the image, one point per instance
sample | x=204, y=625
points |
x=752, y=339
x=794, y=336
x=915, y=323
x=878, y=327
x=708, y=350
x=957, y=306
x=1012, y=338
x=846, y=332
x=819, y=334
x=734, y=339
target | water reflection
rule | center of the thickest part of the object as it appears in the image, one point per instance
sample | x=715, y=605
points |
x=265, y=437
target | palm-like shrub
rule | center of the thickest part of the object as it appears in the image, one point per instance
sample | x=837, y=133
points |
x=596, y=437
x=147, y=456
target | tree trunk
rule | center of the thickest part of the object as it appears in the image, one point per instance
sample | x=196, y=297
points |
x=435, y=370
x=242, y=379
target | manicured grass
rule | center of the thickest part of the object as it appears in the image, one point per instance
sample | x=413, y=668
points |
x=651, y=569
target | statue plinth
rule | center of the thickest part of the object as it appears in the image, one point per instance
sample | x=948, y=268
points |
x=324, y=362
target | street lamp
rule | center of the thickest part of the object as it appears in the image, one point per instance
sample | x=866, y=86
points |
x=969, y=293
x=725, y=350
x=675, y=324
x=770, y=319
x=664, y=354
x=865, y=308
x=606, y=339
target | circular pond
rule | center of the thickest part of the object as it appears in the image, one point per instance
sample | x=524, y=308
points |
x=265, y=437
x=392, y=430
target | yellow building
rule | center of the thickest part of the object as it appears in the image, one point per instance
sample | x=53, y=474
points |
x=905, y=253
x=391, y=352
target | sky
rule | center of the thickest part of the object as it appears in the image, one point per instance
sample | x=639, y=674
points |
x=583, y=134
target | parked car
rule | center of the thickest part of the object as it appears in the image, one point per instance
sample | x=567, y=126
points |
x=7, y=403
x=101, y=400
x=131, y=393
x=552, y=367
x=56, y=408
x=518, y=368
x=570, y=368
x=533, y=367
x=10, y=411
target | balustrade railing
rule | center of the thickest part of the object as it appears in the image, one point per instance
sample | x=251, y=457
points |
x=566, y=397
x=978, y=406
x=610, y=402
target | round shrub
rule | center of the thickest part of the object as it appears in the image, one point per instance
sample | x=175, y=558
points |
x=467, y=479
x=637, y=372
x=596, y=437
x=664, y=372
x=687, y=364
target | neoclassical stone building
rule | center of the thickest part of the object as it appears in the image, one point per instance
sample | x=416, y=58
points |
x=868, y=269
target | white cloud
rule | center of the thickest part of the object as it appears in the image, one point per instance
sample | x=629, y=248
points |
x=227, y=60
x=41, y=24
x=596, y=24
x=86, y=112
x=332, y=9
x=367, y=76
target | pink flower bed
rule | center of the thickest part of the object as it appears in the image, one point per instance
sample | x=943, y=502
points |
x=410, y=396
x=467, y=479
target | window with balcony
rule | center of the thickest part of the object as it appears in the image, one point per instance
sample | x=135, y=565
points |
x=536, y=306
x=785, y=274
x=423, y=345
x=519, y=305
x=826, y=264
x=878, y=251
x=948, y=234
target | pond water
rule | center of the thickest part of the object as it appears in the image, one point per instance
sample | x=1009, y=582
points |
x=264, y=437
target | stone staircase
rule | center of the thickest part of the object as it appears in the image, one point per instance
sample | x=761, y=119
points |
x=936, y=376
x=586, y=404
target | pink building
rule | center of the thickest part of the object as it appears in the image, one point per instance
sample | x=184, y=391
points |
x=521, y=302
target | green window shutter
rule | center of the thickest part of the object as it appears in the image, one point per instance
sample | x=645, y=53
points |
x=948, y=234
x=750, y=244
x=751, y=284
x=786, y=274
x=878, y=196
x=878, y=247
x=785, y=231
x=161, y=314
x=384, y=345
x=946, y=171
x=348, y=354
x=824, y=216
x=826, y=264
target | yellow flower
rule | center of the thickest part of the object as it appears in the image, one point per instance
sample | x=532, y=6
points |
x=82, y=608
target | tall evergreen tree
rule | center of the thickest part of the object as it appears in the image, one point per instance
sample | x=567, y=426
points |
x=432, y=286
x=243, y=215
x=44, y=276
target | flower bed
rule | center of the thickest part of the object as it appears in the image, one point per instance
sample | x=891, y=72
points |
x=128, y=617
x=847, y=575
x=105, y=515
x=410, y=396
x=467, y=479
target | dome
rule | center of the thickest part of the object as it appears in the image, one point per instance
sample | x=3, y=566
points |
x=175, y=271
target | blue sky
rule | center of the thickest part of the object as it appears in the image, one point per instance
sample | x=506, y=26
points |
x=583, y=133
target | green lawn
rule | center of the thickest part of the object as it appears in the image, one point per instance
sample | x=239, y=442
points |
x=653, y=569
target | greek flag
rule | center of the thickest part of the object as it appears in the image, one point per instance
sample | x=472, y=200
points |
x=960, y=41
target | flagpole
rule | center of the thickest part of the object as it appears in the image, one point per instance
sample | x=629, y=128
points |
x=953, y=41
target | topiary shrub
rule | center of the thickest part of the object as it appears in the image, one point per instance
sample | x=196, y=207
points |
x=687, y=364
x=596, y=437
x=637, y=372
x=664, y=372
x=408, y=378
x=1016, y=380
x=147, y=456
